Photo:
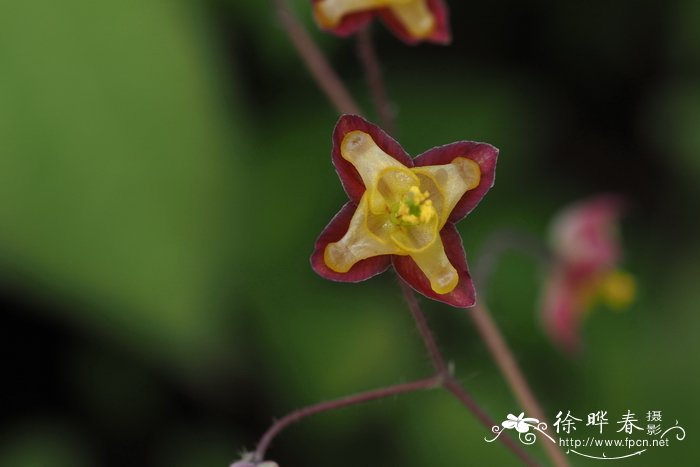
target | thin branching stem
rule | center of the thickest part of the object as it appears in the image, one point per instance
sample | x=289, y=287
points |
x=319, y=68
x=375, y=79
x=426, y=334
x=451, y=383
x=512, y=373
x=347, y=401
x=492, y=253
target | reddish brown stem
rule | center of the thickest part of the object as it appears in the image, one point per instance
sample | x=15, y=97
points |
x=426, y=334
x=449, y=382
x=513, y=375
x=452, y=385
x=375, y=80
x=363, y=397
x=326, y=78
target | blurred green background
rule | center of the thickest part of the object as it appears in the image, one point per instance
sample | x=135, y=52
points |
x=165, y=170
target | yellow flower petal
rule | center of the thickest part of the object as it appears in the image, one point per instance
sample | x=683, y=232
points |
x=367, y=236
x=389, y=188
x=436, y=266
x=416, y=237
x=331, y=12
x=416, y=18
x=380, y=173
x=451, y=181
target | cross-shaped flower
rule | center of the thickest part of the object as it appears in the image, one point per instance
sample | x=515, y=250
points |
x=402, y=211
x=410, y=20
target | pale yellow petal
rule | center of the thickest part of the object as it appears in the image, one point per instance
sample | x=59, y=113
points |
x=416, y=17
x=368, y=235
x=380, y=173
x=331, y=12
x=436, y=266
x=451, y=181
x=418, y=237
x=392, y=183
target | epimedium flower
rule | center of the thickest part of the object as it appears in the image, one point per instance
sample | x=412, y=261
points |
x=584, y=271
x=402, y=211
x=412, y=21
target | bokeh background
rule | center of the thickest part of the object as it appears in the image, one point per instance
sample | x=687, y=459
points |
x=165, y=169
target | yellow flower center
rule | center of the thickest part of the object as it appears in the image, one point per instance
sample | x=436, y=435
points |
x=413, y=209
x=415, y=15
x=402, y=210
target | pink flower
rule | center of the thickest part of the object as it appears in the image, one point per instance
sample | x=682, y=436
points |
x=584, y=270
x=412, y=21
x=402, y=211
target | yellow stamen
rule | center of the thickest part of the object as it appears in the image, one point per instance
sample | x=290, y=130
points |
x=410, y=219
x=414, y=208
x=427, y=212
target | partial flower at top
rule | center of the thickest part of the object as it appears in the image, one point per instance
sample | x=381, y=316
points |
x=412, y=21
x=402, y=211
x=584, y=269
